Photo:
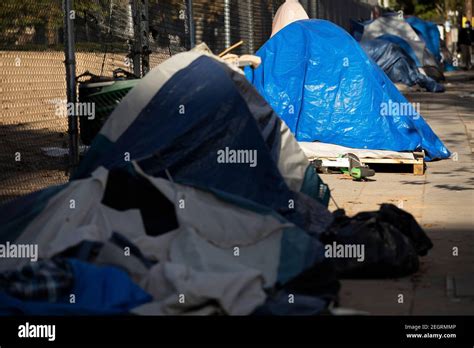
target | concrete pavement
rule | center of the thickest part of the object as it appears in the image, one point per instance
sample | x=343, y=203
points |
x=442, y=201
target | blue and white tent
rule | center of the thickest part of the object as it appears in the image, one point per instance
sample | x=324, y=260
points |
x=191, y=168
x=181, y=239
x=188, y=112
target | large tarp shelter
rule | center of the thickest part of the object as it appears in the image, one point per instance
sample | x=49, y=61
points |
x=323, y=85
x=370, y=30
x=398, y=65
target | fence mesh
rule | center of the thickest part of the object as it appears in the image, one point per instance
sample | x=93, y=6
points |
x=222, y=23
x=31, y=77
x=341, y=11
x=33, y=135
x=33, y=131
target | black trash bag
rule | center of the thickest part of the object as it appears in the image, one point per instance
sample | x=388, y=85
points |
x=407, y=224
x=390, y=240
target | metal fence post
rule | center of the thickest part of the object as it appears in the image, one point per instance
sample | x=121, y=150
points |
x=251, y=26
x=70, y=63
x=314, y=8
x=227, y=38
x=136, y=46
x=192, y=29
x=145, y=37
x=306, y=5
x=141, y=46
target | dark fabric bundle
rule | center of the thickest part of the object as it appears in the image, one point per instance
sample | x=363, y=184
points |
x=392, y=241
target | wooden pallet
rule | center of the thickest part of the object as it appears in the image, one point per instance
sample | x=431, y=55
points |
x=418, y=162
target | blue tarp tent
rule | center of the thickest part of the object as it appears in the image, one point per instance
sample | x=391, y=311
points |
x=323, y=85
x=402, y=34
x=429, y=32
x=398, y=65
x=399, y=31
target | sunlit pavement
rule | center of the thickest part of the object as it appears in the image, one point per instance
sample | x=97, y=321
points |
x=442, y=201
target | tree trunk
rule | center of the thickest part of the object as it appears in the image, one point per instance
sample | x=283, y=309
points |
x=469, y=10
x=51, y=33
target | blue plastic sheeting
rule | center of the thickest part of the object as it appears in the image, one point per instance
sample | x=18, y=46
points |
x=429, y=32
x=357, y=31
x=187, y=147
x=323, y=85
x=449, y=67
x=357, y=28
x=398, y=66
x=404, y=45
x=160, y=138
x=98, y=291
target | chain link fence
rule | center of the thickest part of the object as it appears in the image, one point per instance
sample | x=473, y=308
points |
x=222, y=23
x=342, y=11
x=33, y=130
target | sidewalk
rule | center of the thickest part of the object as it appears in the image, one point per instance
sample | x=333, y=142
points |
x=442, y=201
